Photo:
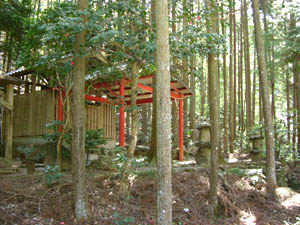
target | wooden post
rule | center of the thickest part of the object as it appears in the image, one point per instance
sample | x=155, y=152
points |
x=9, y=124
x=180, y=129
x=60, y=111
x=122, y=117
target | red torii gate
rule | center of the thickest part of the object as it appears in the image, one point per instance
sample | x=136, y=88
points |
x=119, y=93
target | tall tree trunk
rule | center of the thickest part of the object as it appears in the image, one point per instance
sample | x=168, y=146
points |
x=163, y=123
x=253, y=90
x=9, y=53
x=225, y=89
x=175, y=111
x=269, y=129
x=296, y=74
x=231, y=79
x=124, y=183
x=270, y=63
x=294, y=114
x=6, y=48
x=134, y=112
x=128, y=125
x=145, y=120
x=175, y=124
x=240, y=84
x=287, y=88
x=203, y=89
x=247, y=66
x=78, y=131
x=144, y=106
x=241, y=96
x=214, y=107
x=234, y=70
x=193, y=100
x=153, y=149
x=185, y=68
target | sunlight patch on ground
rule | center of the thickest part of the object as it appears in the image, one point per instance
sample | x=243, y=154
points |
x=247, y=218
x=186, y=162
x=288, y=197
x=131, y=179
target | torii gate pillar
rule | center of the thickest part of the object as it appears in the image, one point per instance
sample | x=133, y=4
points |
x=180, y=129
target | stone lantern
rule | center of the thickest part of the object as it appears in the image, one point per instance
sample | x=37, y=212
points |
x=203, y=154
x=256, y=151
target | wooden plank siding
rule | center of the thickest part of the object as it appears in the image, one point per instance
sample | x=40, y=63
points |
x=33, y=110
x=101, y=116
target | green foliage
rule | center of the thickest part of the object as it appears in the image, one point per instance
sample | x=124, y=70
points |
x=122, y=220
x=31, y=154
x=117, y=35
x=14, y=17
x=54, y=34
x=116, y=158
x=284, y=147
x=94, y=138
x=52, y=175
x=257, y=129
x=237, y=171
x=294, y=183
x=255, y=176
x=53, y=135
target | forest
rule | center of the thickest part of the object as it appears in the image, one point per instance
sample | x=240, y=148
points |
x=150, y=112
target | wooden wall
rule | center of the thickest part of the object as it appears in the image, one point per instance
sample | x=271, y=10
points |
x=33, y=110
x=102, y=116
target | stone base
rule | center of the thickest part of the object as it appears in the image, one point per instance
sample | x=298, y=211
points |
x=202, y=156
x=256, y=156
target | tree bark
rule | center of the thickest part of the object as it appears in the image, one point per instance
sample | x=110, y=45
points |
x=134, y=112
x=193, y=101
x=185, y=69
x=269, y=129
x=234, y=70
x=253, y=91
x=231, y=79
x=203, y=89
x=175, y=105
x=288, y=118
x=145, y=120
x=163, y=123
x=124, y=183
x=247, y=66
x=225, y=88
x=153, y=149
x=128, y=125
x=78, y=128
x=241, y=96
x=214, y=107
x=296, y=74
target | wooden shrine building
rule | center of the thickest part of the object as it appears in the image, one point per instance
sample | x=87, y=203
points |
x=122, y=89
x=34, y=105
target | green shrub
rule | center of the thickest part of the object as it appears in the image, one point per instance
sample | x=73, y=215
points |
x=122, y=220
x=31, y=154
x=52, y=175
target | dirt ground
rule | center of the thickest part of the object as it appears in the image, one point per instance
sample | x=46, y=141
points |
x=25, y=199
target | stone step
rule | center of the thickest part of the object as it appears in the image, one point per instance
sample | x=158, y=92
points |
x=8, y=171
